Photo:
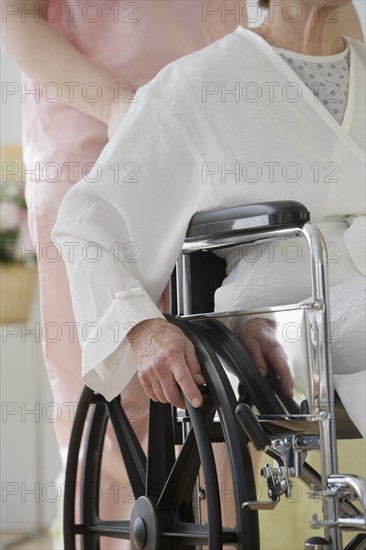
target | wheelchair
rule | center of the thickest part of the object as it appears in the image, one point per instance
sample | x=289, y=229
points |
x=240, y=407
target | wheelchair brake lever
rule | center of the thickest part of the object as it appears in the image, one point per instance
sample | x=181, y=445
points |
x=252, y=427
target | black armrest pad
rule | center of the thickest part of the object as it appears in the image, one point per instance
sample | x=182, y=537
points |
x=251, y=217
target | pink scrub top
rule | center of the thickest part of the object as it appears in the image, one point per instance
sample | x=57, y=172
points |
x=133, y=40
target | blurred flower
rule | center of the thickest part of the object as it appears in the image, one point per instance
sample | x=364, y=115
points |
x=9, y=215
x=14, y=236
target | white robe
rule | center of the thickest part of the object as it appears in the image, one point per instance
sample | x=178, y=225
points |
x=233, y=106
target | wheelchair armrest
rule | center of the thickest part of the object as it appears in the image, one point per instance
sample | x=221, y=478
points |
x=247, y=218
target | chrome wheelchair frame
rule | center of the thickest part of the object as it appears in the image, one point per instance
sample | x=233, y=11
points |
x=166, y=514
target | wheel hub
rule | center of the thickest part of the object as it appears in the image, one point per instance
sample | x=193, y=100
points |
x=139, y=533
x=145, y=529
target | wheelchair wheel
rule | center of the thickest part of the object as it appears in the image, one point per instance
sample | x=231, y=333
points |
x=163, y=484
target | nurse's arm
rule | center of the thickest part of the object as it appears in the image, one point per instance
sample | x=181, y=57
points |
x=46, y=56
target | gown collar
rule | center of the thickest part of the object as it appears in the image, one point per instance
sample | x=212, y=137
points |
x=341, y=130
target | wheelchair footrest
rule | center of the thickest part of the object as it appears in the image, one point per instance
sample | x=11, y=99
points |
x=261, y=504
x=348, y=486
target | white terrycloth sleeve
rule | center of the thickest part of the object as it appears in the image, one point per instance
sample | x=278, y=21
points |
x=121, y=229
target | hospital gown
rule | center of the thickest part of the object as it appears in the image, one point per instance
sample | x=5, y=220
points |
x=231, y=124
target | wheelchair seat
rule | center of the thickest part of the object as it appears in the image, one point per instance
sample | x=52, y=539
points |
x=240, y=407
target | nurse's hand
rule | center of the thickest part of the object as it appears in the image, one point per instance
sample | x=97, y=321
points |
x=257, y=336
x=167, y=362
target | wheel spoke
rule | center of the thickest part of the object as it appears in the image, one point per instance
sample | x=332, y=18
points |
x=190, y=534
x=180, y=485
x=161, y=453
x=133, y=456
x=111, y=529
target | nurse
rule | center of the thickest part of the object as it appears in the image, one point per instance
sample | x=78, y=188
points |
x=82, y=63
x=173, y=133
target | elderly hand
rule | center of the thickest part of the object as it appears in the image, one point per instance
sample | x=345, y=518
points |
x=257, y=336
x=167, y=362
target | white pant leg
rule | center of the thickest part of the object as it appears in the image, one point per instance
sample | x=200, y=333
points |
x=347, y=308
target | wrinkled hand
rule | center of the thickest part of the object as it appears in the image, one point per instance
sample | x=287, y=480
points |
x=257, y=336
x=167, y=362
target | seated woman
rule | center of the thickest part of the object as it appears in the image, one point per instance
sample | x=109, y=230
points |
x=277, y=113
